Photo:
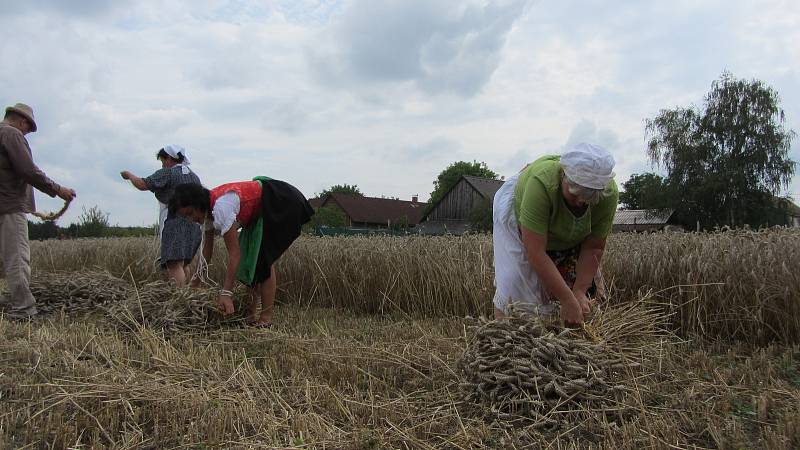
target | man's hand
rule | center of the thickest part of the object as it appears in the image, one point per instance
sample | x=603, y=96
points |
x=225, y=305
x=126, y=175
x=571, y=313
x=66, y=194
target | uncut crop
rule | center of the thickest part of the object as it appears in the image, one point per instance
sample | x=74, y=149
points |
x=742, y=284
x=353, y=363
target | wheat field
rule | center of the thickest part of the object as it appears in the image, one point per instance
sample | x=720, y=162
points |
x=375, y=346
x=735, y=284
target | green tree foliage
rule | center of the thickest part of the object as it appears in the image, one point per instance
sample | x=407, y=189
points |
x=93, y=222
x=400, y=224
x=726, y=160
x=480, y=218
x=645, y=191
x=50, y=230
x=342, y=189
x=327, y=216
x=450, y=176
x=43, y=230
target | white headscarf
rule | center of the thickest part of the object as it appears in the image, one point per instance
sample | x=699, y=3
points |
x=174, y=151
x=588, y=165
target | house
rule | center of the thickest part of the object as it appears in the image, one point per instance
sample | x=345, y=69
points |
x=642, y=219
x=794, y=214
x=375, y=213
x=792, y=211
x=451, y=214
x=315, y=202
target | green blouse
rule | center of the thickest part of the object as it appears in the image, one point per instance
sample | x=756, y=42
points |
x=540, y=207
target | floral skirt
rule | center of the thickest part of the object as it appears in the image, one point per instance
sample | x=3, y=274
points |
x=566, y=262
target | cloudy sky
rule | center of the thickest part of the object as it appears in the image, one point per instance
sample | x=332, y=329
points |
x=382, y=94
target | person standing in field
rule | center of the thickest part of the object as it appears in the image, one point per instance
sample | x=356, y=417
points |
x=550, y=224
x=18, y=174
x=270, y=214
x=179, y=237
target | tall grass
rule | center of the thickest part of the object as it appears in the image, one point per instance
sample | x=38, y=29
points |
x=743, y=284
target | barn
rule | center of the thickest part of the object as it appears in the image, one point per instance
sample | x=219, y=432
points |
x=451, y=214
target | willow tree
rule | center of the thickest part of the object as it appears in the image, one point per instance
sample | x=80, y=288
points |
x=727, y=160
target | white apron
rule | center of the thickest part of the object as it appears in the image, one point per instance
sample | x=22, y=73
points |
x=163, y=212
x=517, y=285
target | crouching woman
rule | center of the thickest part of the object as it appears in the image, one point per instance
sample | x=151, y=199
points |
x=270, y=214
x=550, y=227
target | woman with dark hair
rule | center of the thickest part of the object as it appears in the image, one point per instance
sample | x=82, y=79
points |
x=179, y=238
x=270, y=214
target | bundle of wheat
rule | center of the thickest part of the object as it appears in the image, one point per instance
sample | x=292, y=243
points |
x=162, y=306
x=77, y=292
x=524, y=366
x=51, y=216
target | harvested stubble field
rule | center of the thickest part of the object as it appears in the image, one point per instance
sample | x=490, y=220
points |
x=371, y=349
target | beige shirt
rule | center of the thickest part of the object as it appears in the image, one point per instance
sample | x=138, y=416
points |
x=18, y=173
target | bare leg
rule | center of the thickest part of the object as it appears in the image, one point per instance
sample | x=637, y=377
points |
x=268, y=289
x=254, y=306
x=175, y=272
x=600, y=286
x=498, y=314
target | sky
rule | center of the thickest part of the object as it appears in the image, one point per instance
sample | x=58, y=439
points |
x=383, y=94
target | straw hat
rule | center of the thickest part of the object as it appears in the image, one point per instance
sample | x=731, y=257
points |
x=25, y=111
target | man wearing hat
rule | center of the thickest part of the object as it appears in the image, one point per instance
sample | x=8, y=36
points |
x=550, y=224
x=18, y=174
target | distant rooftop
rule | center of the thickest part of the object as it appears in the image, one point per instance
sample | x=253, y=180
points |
x=642, y=216
x=485, y=186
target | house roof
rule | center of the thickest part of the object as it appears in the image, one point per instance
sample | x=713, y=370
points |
x=485, y=186
x=377, y=210
x=794, y=210
x=642, y=216
x=790, y=206
x=315, y=202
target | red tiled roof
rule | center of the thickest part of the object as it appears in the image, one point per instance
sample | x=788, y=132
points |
x=377, y=210
x=315, y=202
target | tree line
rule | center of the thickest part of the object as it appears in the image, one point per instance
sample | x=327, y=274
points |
x=724, y=162
x=93, y=222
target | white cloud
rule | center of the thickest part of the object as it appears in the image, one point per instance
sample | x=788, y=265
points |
x=382, y=94
x=439, y=46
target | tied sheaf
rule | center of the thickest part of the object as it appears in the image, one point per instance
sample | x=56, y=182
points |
x=158, y=305
x=522, y=368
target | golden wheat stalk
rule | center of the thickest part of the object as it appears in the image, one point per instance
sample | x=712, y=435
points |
x=50, y=216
